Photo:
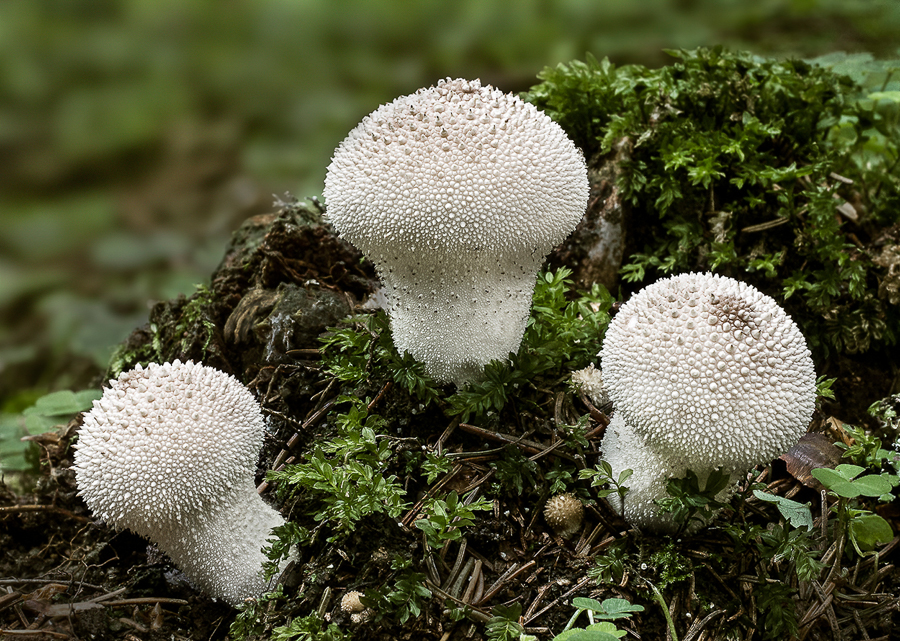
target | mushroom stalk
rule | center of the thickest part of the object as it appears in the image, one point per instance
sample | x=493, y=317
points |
x=457, y=312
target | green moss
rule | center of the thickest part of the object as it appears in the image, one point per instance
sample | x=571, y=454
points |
x=671, y=566
x=777, y=172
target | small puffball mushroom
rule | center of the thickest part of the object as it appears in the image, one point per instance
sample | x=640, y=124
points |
x=170, y=453
x=704, y=372
x=590, y=381
x=565, y=514
x=350, y=602
x=457, y=193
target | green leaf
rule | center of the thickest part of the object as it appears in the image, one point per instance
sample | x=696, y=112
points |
x=885, y=95
x=797, y=514
x=585, y=635
x=872, y=485
x=609, y=609
x=63, y=403
x=843, y=482
x=869, y=531
x=583, y=603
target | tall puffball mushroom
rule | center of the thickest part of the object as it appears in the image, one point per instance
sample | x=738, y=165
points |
x=170, y=453
x=457, y=193
x=704, y=373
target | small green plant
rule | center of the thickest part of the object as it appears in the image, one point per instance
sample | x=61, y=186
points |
x=688, y=502
x=823, y=388
x=309, y=628
x=434, y=466
x=443, y=520
x=866, y=450
x=559, y=478
x=670, y=565
x=600, y=617
x=249, y=622
x=609, y=567
x=347, y=475
x=404, y=599
x=864, y=529
x=504, y=624
x=363, y=348
x=513, y=471
x=602, y=477
x=286, y=538
x=775, y=602
x=792, y=545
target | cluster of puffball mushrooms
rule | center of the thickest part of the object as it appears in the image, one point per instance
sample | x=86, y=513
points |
x=456, y=193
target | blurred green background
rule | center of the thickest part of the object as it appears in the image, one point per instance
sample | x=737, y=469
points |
x=135, y=135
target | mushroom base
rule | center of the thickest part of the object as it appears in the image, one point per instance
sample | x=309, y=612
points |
x=624, y=449
x=220, y=548
x=457, y=311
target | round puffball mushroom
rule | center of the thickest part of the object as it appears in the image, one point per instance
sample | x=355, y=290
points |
x=565, y=514
x=457, y=193
x=351, y=602
x=590, y=381
x=706, y=373
x=170, y=453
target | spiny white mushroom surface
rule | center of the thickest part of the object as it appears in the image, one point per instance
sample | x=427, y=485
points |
x=709, y=373
x=457, y=193
x=170, y=453
x=590, y=381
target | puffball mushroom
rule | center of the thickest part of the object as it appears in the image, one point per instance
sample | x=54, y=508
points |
x=565, y=514
x=170, y=453
x=704, y=372
x=457, y=193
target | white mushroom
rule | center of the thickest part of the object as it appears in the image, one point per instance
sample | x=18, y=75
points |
x=590, y=381
x=704, y=372
x=457, y=193
x=625, y=449
x=351, y=602
x=170, y=453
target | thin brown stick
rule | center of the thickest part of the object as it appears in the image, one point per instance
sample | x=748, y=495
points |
x=577, y=587
x=47, y=633
x=13, y=509
x=513, y=571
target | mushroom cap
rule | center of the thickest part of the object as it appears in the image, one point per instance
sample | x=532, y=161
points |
x=709, y=369
x=351, y=602
x=163, y=442
x=456, y=166
x=590, y=381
